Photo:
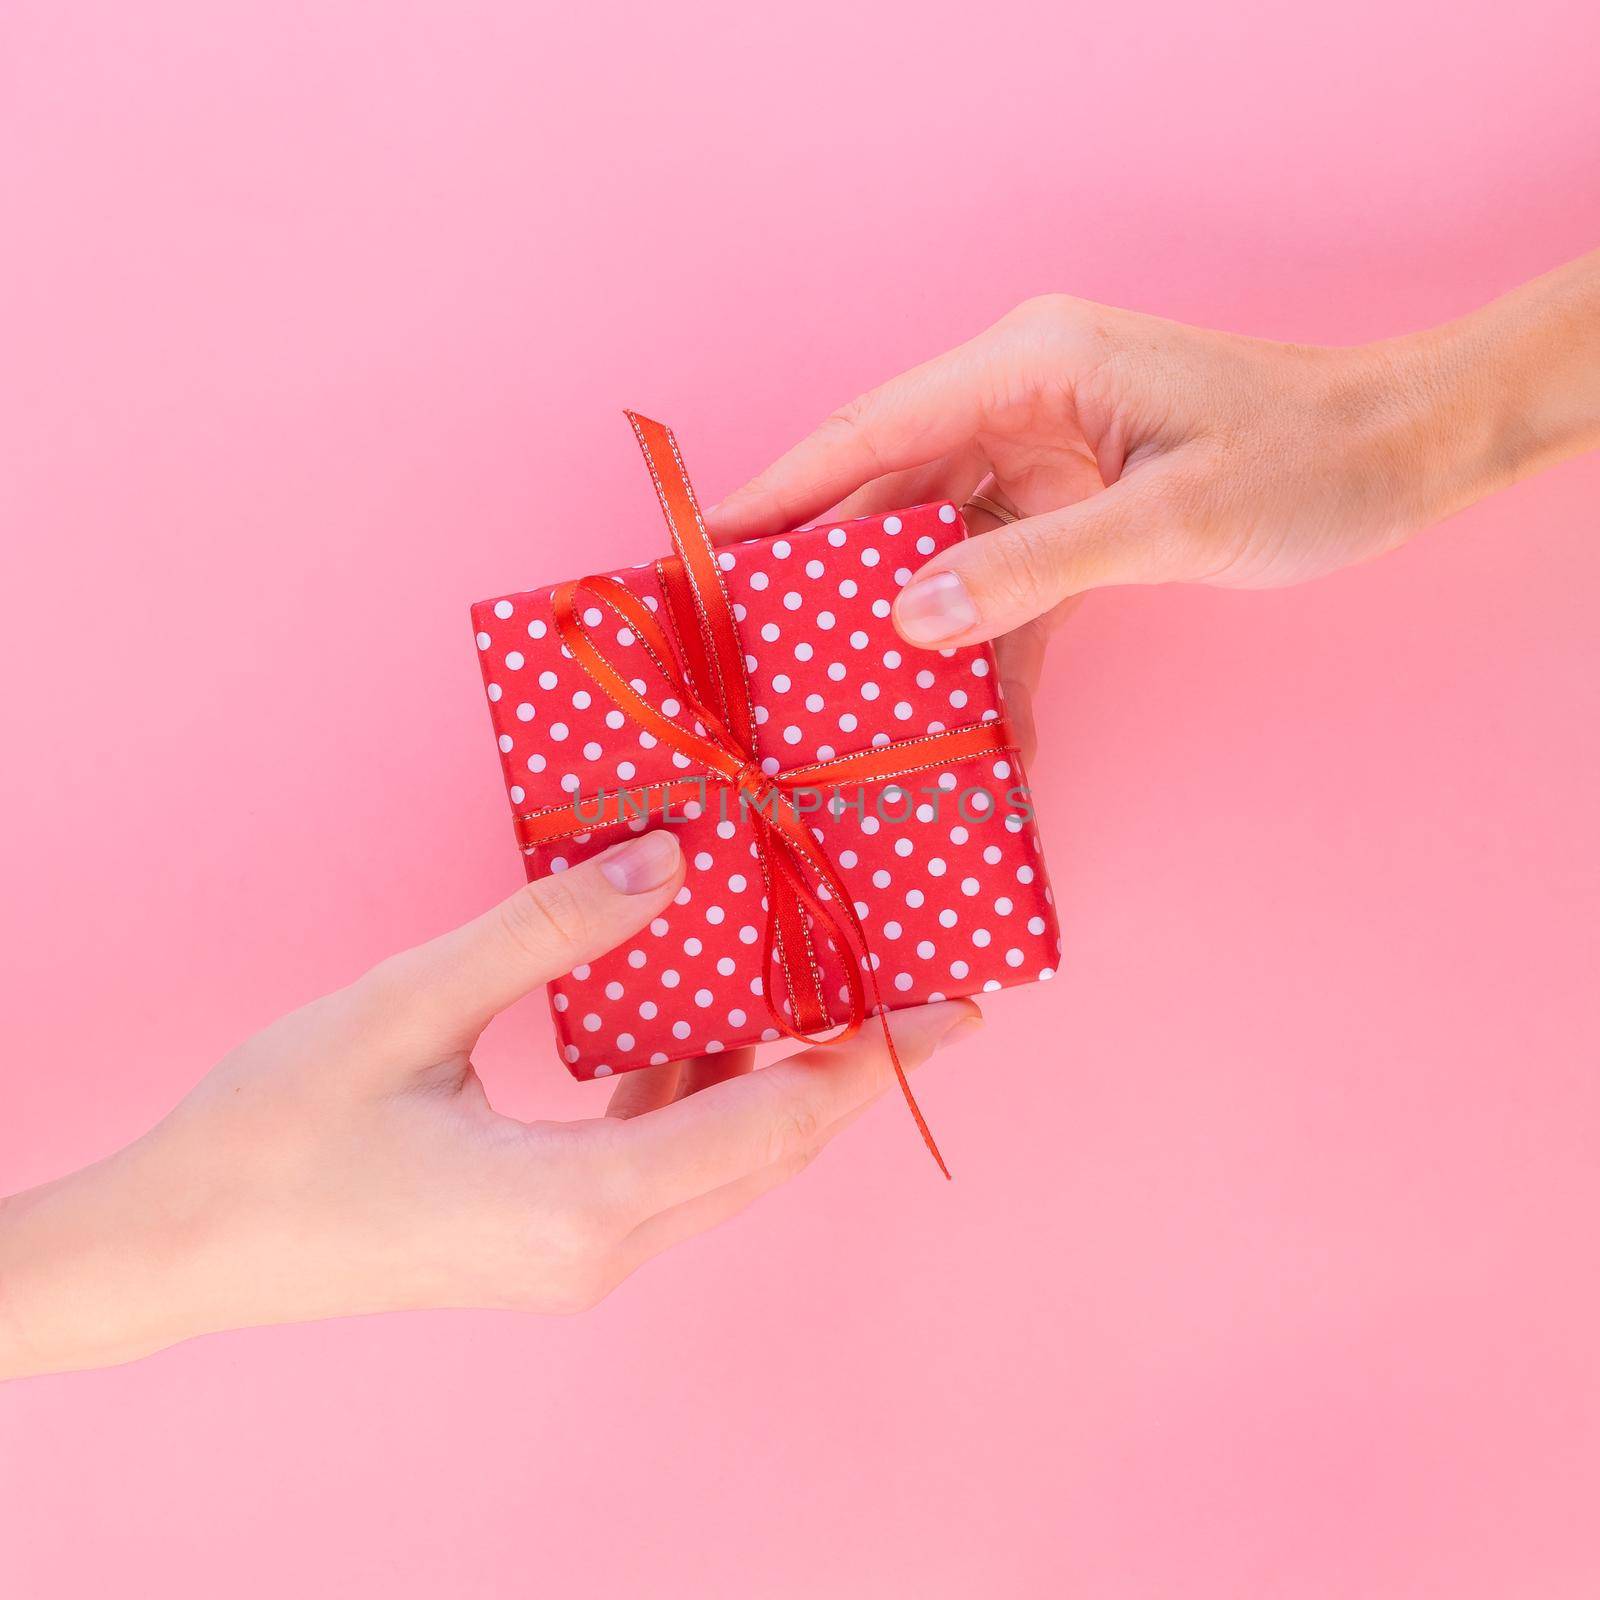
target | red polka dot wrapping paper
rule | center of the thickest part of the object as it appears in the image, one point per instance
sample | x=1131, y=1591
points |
x=945, y=867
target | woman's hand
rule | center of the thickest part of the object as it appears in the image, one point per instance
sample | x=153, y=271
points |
x=1142, y=451
x=346, y=1160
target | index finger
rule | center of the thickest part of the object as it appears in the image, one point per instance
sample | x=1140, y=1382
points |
x=913, y=419
x=748, y=1123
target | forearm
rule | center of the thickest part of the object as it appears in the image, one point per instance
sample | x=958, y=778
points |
x=89, y=1275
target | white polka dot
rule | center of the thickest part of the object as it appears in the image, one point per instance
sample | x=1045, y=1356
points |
x=802, y=652
x=505, y=741
x=859, y=640
x=959, y=969
x=792, y=600
x=980, y=937
x=780, y=548
x=484, y=641
x=848, y=588
x=518, y=794
x=703, y=997
x=903, y=980
x=495, y=691
x=902, y=709
x=1036, y=925
x=970, y=886
x=680, y=1030
x=692, y=946
x=726, y=561
x=502, y=609
x=592, y=1022
x=582, y=700
x=836, y=537
x=815, y=569
x=980, y=667
x=925, y=546
x=892, y=525
x=558, y=730
x=848, y=722
x=947, y=513
x=536, y=629
x=715, y=914
x=869, y=557
x=914, y=898
x=869, y=691
x=948, y=918
x=536, y=763
x=769, y=631
x=891, y=930
x=515, y=660
x=1024, y=874
x=670, y=978
x=758, y=580
x=880, y=608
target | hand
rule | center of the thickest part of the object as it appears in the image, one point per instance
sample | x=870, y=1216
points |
x=1142, y=451
x=346, y=1159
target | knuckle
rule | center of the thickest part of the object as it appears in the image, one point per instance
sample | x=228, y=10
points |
x=849, y=426
x=796, y=1130
x=1023, y=567
x=547, y=919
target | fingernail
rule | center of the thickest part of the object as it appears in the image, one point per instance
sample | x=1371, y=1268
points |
x=932, y=609
x=637, y=865
x=963, y=1028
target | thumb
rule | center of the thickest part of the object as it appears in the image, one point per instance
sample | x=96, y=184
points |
x=440, y=996
x=995, y=582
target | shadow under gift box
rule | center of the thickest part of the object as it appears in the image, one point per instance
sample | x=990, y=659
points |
x=944, y=865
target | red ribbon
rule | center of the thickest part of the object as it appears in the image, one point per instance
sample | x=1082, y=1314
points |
x=706, y=673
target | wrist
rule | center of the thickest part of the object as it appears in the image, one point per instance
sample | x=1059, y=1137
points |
x=1433, y=441
x=1501, y=393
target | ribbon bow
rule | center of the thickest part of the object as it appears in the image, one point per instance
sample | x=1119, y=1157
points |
x=705, y=673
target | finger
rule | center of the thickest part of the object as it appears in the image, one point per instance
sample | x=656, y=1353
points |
x=644, y=1090
x=704, y=1071
x=952, y=477
x=1019, y=659
x=981, y=588
x=926, y=413
x=738, y=1127
x=706, y=1211
x=441, y=995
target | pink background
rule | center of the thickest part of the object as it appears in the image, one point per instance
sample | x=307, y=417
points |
x=1269, y=1269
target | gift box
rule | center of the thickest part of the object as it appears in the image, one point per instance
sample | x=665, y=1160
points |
x=853, y=812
